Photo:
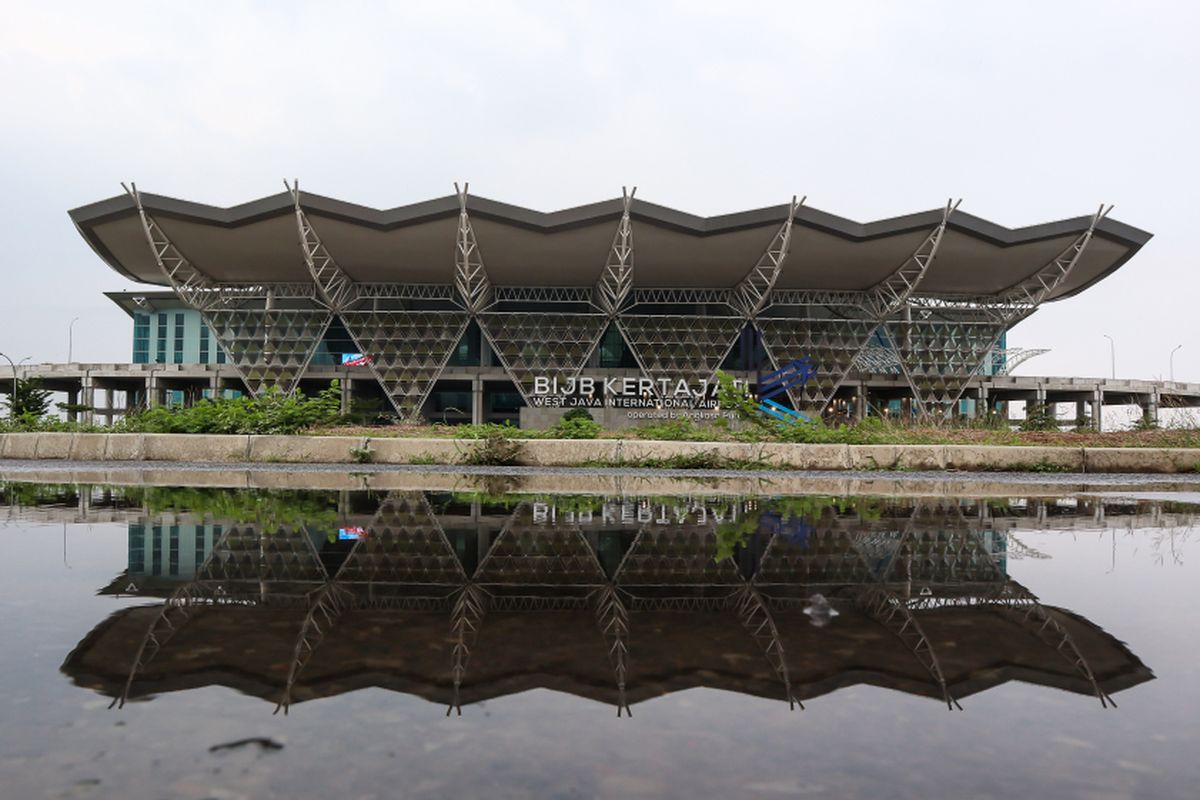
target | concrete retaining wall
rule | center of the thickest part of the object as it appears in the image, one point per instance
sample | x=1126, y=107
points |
x=126, y=447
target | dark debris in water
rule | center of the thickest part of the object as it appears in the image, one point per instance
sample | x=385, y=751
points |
x=263, y=743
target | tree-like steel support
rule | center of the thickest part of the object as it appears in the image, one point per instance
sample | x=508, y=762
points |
x=753, y=293
x=327, y=604
x=466, y=617
x=943, y=341
x=470, y=276
x=832, y=342
x=616, y=282
x=885, y=607
x=336, y=287
x=756, y=618
x=194, y=287
x=613, y=618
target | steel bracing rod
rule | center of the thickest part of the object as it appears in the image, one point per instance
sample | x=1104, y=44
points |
x=543, y=294
x=893, y=292
x=332, y=282
x=753, y=293
x=613, y=618
x=658, y=296
x=470, y=276
x=466, y=616
x=176, y=611
x=406, y=291
x=616, y=281
x=326, y=606
x=187, y=281
x=758, y=621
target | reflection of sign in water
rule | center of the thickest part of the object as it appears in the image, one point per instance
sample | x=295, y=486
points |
x=777, y=383
x=355, y=360
x=352, y=534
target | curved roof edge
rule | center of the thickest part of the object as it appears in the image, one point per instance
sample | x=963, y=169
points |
x=120, y=206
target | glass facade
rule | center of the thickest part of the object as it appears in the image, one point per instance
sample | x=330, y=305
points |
x=141, y=338
x=160, y=349
x=179, y=328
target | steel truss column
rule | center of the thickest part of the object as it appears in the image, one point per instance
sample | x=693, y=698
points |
x=754, y=292
x=613, y=618
x=466, y=617
x=193, y=286
x=944, y=341
x=267, y=346
x=616, y=282
x=893, y=292
x=834, y=338
x=756, y=618
x=470, y=276
x=335, y=286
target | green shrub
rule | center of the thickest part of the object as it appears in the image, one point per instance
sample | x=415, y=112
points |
x=272, y=412
x=579, y=412
x=580, y=427
x=494, y=450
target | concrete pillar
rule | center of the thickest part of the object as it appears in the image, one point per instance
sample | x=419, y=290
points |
x=981, y=403
x=477, y=413
x=1098, y=409
x=88, y=399
x=1080, y=410
x=72, y=399
x=860, y=402
x=108, y=406
x=347, y=393
x=152, y=395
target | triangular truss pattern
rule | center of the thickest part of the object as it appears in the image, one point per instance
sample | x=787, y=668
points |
x=824, y=555
x=407, y=350
x=404, y=544
x=249, y=555
x=676, y=556
x=671, y=348
x=529, y=553
x=269, y=347
x=940, y=356
x=556, y=345
x=831, y=345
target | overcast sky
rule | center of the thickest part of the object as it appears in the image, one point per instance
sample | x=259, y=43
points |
x=1029, y=111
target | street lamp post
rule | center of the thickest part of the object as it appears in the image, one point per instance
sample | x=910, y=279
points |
x=71, y=338
x=1112, y=352
x=1173, y=362
x=12, y=399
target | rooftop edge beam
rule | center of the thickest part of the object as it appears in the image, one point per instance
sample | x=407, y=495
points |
x=336, y=287
x=754, y=292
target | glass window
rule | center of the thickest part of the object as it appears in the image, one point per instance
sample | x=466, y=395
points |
x=204, y=343
x=160, y=344
x=466, y=354
x=141, y=338
x=179, y=338
x=613, y=350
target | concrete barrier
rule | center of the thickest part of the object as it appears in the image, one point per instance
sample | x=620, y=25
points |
x=414, y=451
x=194, y=447
x=55, y=446
x=1141, y=459
x=1005, y=458
x=135, y=447
x=303, y=449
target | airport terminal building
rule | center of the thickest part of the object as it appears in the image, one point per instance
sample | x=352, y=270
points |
x=466, y=309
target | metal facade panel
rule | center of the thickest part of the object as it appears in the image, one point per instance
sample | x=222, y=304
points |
x=408, y=350
x=269, y=347
x=676, y=347
x=831, y=345
x=556, y=344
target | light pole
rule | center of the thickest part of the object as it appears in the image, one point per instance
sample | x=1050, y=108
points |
x=1112, y=352
x=12, y=398
x=71, y=338
x=1173, y=362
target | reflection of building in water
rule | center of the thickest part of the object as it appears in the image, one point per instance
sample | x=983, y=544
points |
x=459, y=602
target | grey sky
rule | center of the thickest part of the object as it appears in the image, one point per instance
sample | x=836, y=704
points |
x=1029, y=111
